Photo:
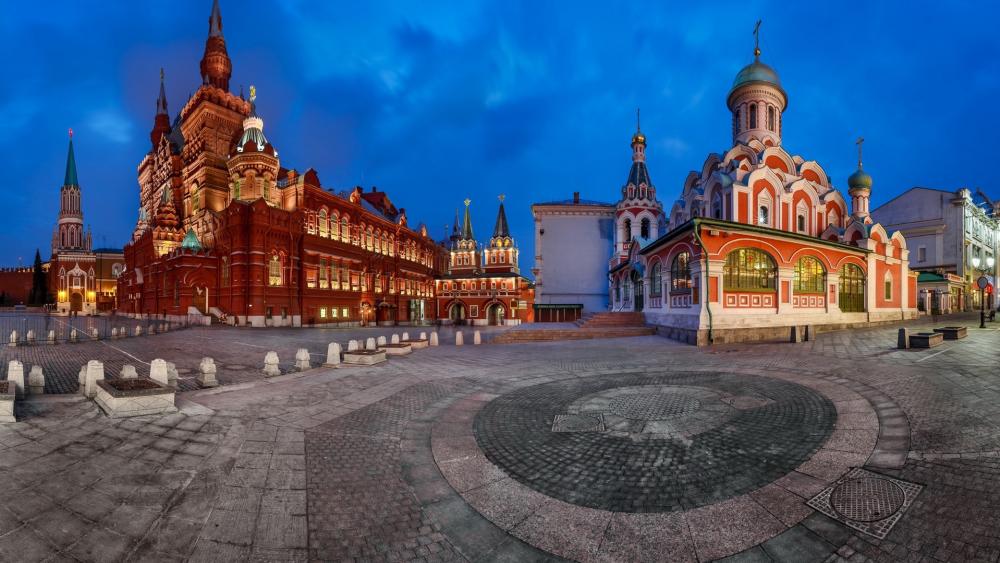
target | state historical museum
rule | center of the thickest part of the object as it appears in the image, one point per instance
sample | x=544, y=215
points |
x=225, y=229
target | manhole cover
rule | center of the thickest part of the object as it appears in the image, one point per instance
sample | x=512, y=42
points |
x=867, y=499
x=653, y=406
x=577, y=423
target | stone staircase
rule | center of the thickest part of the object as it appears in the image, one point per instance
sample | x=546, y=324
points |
x=592, y=325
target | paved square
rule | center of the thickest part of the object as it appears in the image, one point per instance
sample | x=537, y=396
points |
x=473, y=452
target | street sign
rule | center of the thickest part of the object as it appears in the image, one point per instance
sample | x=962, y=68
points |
x=983, y=282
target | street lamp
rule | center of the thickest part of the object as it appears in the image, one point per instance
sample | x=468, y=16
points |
x=983, y=282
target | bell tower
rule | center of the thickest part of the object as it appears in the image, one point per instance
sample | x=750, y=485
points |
x=69, y=233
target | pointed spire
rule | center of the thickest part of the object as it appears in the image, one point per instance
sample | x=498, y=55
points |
x=454, y=227
x=161, y=101
x=215, y=21
x=70, y=179
x=467, y=223
x=501, y=230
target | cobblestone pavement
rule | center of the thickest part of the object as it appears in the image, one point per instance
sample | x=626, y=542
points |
x=383, y=464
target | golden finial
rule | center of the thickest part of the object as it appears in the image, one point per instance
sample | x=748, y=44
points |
x=467, y=202
x=501, y=197
x=859, y=142
x=756, y=39
x=253, y=92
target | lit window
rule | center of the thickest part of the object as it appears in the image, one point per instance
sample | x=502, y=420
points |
x=322, y=312
x=274, y=271
x=809, y=275
x=763, y=215
x=680, y=272
x=749, y=269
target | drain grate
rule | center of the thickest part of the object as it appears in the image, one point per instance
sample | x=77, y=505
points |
x=866, y=501
x=578, y=423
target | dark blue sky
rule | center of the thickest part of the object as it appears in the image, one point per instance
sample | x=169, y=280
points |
x=438, y=102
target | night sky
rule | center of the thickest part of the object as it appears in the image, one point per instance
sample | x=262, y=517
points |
x=436, y=103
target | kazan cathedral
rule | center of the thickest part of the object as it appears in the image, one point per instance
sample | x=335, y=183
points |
x=760, y=244
x=226, y=230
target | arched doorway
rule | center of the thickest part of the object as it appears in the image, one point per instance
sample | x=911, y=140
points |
x=76, y=302
x=852, y=289
x=637, y=289
x=457, y=313
x=496, y=314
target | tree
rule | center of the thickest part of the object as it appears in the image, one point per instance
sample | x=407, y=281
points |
x=39, y=284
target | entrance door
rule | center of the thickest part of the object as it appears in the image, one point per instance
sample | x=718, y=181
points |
x=76, y=302
x=457, y=313
x=496, y=314
x=852, y=289
x=637, y=289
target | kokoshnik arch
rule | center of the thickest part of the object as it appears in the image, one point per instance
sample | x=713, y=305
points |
x=758, y=241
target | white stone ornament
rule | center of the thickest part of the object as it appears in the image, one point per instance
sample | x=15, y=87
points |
x=352, y=345
x=52, y=337
x=395, y=339
x=15, y=374
x=94, y=334
x=30, y=337
x=459, y=338
x=302, y=359
x=36, y=381
x=207, y=378
x=381, y=342
x=271, y=364
x=95, y=373
x=13, y=338
x=172, y=374
x=332, y=355
x=138, y=330
x=423, y=336
x=434, y=339
x=73, y=337
x=406, y=336
x=128, y=372
x=158, y=371
x=476, y=338
x=370, y=344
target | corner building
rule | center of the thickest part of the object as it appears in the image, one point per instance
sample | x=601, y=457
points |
x=226, y=230
x=759, y=240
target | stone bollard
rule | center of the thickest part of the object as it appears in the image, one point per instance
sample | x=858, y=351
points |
x=52, y=337
x=15, y=374
x=406, y=337
x=36, y=381
x=423, y=336
x=114, y=333
x=138, y=330
x=95, y=373
x=434, y=339
x=94, y=334
x=381, y=342
x=352, y=345
x=394, y=339
x=172, y=374
x=903, y=339
x=13, y=338
x=158, y=371
x=476, y=338
x=30, y=337
x=128, y=372
x=370, y=344
x=73, y=337
x=271, y=364
x=459, y=338
x=332, y=355
x=207, y=376
x=796, y=334
x=82, y=378
x=302, y=359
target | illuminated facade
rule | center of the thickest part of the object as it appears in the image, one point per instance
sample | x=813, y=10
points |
x=226, y=230
x=759, y=240
x=483, y=285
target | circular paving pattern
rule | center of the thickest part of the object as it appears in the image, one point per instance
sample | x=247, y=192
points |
x=653, y=406
x=672, y=441
x=867, y=500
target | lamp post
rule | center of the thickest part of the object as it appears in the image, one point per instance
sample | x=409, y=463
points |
x=982, y=282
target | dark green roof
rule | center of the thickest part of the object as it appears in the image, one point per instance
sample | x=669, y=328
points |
x=501, y=230
x=71, y=167
x=930, y=277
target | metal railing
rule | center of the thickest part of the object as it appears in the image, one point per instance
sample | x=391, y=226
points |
x=46, y=328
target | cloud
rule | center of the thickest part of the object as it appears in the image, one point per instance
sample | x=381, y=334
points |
x=110, y=124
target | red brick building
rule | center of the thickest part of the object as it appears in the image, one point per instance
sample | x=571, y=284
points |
x=226, y=230
x=484, y=286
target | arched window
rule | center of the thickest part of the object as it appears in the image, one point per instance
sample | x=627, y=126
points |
x=852, y=289
x=680, y=273
x=334, y=225
x=324, y=227
x=345, y=229
x=800, y=223
x=717, y=206
x=656, y=279
x=749, y=269
x=888, y=286
x=627, y=226
x=809, y=276
x=274, y=271
x=770, y=118
x=644, y=228
x=225, y=271
x=739, y=123
x=763, y=216
x=801, y=217
x=753, y=116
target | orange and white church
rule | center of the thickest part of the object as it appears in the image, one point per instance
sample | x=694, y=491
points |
x=759, y=241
